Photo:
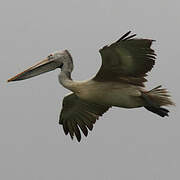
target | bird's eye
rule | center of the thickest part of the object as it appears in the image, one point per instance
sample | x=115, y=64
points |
x=50, y=56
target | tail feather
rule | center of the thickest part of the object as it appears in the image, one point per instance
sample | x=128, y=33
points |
x=160, y=96
x=156, y=98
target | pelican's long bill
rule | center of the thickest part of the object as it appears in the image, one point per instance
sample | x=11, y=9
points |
x=44, y=66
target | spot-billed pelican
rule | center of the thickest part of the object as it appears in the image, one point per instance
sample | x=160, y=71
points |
x=119, y=82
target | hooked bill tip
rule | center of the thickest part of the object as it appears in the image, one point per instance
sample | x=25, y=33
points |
x=11, y=79
x=16, y=77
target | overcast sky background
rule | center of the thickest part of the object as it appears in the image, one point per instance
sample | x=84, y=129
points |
x=124, y=144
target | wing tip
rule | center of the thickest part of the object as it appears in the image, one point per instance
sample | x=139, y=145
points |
x=122, y=38
x=125, y=37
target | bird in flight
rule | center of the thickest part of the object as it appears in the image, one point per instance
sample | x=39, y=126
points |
x=119, y=82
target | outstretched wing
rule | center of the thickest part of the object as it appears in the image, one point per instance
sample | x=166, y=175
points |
x=77, y=115
x=128, y=59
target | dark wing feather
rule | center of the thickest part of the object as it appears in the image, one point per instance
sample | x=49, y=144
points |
x=128, y=60
x=77, y=115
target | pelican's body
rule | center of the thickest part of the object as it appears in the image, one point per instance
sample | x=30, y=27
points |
x=119, y=82
x=108, y=93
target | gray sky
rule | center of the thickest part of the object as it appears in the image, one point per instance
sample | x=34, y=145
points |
x=125, y=144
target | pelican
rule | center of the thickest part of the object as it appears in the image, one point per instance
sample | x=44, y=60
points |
x=119, y=82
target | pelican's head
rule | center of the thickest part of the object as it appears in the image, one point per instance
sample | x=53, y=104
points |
x=55, y=60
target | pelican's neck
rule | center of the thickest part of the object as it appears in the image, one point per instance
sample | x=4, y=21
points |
x=65, y=74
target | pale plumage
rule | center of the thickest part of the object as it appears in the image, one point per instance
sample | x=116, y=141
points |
x=119, y=82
